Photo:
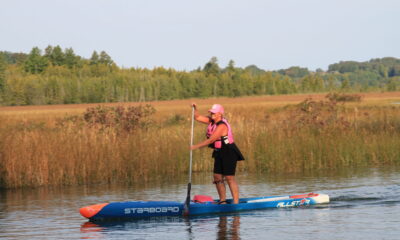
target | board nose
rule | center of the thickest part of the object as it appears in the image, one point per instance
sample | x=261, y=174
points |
x=90, y=211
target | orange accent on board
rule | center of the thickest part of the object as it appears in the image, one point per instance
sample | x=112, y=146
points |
x=305, y=195
x=91, y=210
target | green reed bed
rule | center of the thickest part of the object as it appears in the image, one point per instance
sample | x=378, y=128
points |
x=121, y=145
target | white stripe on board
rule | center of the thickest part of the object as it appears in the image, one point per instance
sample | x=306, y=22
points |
x=269, y=199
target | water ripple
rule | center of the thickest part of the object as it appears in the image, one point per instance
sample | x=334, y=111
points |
x=364, y=205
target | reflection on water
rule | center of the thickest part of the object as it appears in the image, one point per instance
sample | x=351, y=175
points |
x=230, y=231
x=91, y=230
x=228, y=226
x=359, y=199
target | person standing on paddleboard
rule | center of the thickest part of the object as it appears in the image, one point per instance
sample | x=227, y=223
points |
x=225, y=154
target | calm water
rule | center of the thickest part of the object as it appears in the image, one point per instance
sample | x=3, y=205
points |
x=365, y=204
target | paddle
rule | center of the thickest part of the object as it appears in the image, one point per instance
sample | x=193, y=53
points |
x=186, y=206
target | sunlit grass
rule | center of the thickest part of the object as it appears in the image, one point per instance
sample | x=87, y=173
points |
x=35, y=151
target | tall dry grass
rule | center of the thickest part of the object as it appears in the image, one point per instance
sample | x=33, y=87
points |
x=309, y=136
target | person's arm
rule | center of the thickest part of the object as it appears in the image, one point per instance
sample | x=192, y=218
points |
x=221, y=129
x=198, y=117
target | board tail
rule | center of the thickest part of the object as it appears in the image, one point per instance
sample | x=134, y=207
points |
x=318, y=198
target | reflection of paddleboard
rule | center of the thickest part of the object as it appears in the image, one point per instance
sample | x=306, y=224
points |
x=200, y=205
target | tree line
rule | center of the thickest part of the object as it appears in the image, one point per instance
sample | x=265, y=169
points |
x=59, y=76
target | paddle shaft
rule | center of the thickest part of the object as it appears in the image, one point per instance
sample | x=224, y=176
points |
x=186, y=207
x=191, y=144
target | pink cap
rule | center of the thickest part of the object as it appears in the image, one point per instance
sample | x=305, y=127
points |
x=217, y=108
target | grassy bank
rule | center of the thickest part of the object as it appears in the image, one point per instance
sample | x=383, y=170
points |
x=276, y=134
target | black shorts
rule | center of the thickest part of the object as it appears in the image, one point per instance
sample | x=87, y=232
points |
x=223, y=165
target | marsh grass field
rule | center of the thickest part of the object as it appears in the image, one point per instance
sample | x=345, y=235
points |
x=54, y=145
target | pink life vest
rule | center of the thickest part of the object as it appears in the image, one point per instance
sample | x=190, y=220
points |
x=227, y=139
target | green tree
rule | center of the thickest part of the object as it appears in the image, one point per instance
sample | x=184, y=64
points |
x=345, y=85
x=98, y=79
x=105, y=58
x=306, y=84
x=48, y=51
x=345, y=67
x=3, y=65
x=14, y=58
x=392, y=84
x=94, y=59
x=395, y=71
x=295, y=72
x=35, y=62
x=231, y=67
x=254, y=70
x=317, y=83
x=71, y=60
x=331, y=83
x=57, y=57
x=212, y=66
x=383, y=70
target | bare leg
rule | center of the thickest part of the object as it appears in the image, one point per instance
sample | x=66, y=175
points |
x=233, y=187
x=218, y=179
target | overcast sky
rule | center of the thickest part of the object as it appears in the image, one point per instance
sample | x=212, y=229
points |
x=185, y=34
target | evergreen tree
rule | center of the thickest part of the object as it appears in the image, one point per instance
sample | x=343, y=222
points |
x=71, y=60
x=212, y=67
x=94, y=59
x=231, y=67
x=48, y=51
x=57, y=57
x=105, y=58
x=35, y=62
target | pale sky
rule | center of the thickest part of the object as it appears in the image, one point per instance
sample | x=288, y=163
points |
x=185, y=34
